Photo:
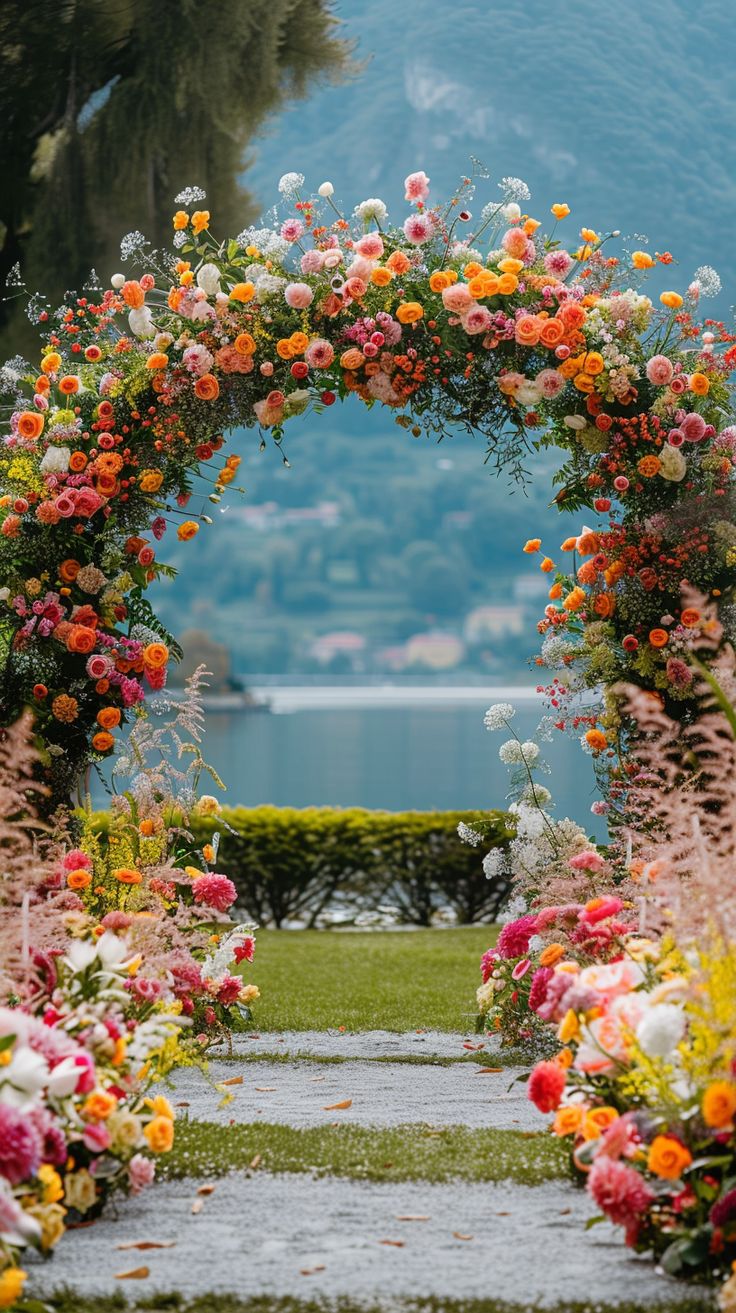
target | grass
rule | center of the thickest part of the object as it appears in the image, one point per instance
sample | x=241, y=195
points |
x=319, y=980
x=505, y=1058
x=399, y=1153
x=69, y=1302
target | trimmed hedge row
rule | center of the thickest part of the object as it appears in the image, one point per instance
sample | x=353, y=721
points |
x=290, y=863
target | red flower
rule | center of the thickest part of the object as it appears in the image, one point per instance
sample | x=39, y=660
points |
x=545, y=1086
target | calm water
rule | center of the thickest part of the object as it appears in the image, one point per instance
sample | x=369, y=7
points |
x=395, y=757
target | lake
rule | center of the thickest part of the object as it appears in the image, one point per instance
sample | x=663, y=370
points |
x=394, y=748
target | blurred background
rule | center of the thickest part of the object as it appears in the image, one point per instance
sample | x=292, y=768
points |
x=371, y=596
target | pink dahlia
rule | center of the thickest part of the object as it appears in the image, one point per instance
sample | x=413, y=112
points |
x=513, y=940
x=418, y=229
x=619, y=1191
x=558, y=263
x=538, y=991
x=416, y=187
x=214, y=891
x=20, y=1146
x=546, y=1085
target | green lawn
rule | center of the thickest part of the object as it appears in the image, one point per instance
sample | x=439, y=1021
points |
x=70, y=1302
x=378, y=980
x=398, y=1153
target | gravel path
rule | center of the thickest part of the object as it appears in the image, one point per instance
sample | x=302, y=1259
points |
x=382, y=1093
x=295, y=1235
x=365, y=1044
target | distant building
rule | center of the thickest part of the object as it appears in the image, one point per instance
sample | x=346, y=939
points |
x=344, y=644
x=434, y=650
x=489, y=622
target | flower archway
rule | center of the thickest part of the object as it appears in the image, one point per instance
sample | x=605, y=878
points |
x=447, y=319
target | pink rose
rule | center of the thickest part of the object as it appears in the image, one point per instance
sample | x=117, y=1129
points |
x=659, y=371
x=418, y=229
x=141, y=1171
x=96, y=1137
x=416, y=187
x=356, y=287
x=319, y=354
x=311, y=262
x=477, y=319
x=515, y=242
x=693, y=427
x=457, y=298
x=87, y=502
x=64, y=504
x=587, y=861
x=292, y=230
x=370, y=246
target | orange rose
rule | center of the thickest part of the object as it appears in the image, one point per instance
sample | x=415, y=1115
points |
x=77, y=462
x=583, y=383
x=30, y=425
x=207, y=387
x=242, y=292
x=572, y=315
x=648, y=466
x=126, y=875
x=68, y=570
x=574, y=600
x=551, y=955
x=568, y=1119
x=668, y=1157
x=719, y=1104
x=298, y=343
x=690, y=617
x=155, y=655
x=200, y=220
x=528, y=329
x=594, y=363
x=51, y=362
x=79, y=879
x=381, y=277
x=283, y=348
x=551, y=332
x=102, y=741
x=604, y=605
x=245, y=344
x=398, y=263
x=108, y=717
x=158, y=360
x=81, y=639
x=133, y=294
x=69, y=384
x=98, y=1106
x=699, y=385
x=471, y=270
x=150, y=480
x=507, y=284
x=596, y=1121
x=547, y=565
x=658, y=637
x=596, y=739
x=187, y=530
x=410, y=312
x=510, y=266
x=160, y=1134
x=352, y=358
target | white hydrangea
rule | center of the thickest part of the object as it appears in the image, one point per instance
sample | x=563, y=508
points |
x=498, y=715
x=528, y=856
x=661, y=1029
x=373, y=208
x=530, y=821
x=289, y=183
x=268, y=284
x=271, y=244
x=514, y=189
x=468, y=834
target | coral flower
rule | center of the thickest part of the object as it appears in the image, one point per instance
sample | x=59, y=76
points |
x=207, y=387
x=668, y=1157
x=30, y=425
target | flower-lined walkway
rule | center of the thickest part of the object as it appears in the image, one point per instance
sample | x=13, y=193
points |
x=304, y=1234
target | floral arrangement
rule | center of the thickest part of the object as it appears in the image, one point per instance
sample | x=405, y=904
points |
x=445, y=318
x=120, y=962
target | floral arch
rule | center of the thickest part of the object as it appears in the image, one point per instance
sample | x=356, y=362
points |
x=488, y=322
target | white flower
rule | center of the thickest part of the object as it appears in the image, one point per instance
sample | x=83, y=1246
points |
x=141, y=323
x=55, y=460
x=4, y=594
x=468, y=834
x=208, y=278
x=326, y=190
x=707, y=281
x=511, y=212
x=498, y=715
x=20, y=1228
x=536, y=795
x=514, y=189
x=494, y=863
x=64, y=1078
x=190, y=196
x=661, y=1029
x=24, y=1077
x=575, y=421
x=290, y=183
x=510, y=752
x=373, y=208
x=672, y=464
x=117, y=280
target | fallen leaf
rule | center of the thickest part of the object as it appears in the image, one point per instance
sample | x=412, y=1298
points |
x=503, y=1214
x=420, y=1032
x=148, y=1244
x=564, y=1212
x=206, y=1189
x=395, y=1244
x=458, y=1235
x=488, y=1071
x=184, y=1104
x=413, y=1217
x=198, y=1205
x=232, y=1080
x=315, y=1079
x=135, y=1274
x=473, y=1048
x=265, y=1089
x=338, y=1107
x=254, y=1037
x=255, y=1162
x=310, y=1271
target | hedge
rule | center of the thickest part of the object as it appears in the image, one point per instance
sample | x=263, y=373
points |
x=290, y=863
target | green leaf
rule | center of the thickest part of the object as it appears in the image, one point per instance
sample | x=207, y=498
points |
x=7, y=1042
x=593, y=1221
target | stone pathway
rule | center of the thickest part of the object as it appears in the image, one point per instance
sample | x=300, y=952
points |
x=309, y=1236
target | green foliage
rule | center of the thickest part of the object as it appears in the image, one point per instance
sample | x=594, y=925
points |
x=68, y=1301
x=293, y=863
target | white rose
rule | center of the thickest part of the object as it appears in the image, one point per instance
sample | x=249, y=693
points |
x=208, y=278
x=661, y=1029
x=511, y=212
x=672, y=463
x=326, y=190
x=141, y=323
x=55, y=460
x=117, y=280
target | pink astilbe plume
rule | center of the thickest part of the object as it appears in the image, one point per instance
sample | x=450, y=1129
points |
x=681, y=806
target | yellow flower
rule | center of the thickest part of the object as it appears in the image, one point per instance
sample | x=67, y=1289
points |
x=242, y=292
x=180, y=220
x=560, y=211
x=160, y=1134
x=12, y=1281
x=569, y=1027
x=200, y=220
x=50, y=1218
x=588, y=235
x=80, y=1191
x=672, y=300
x=642, y=260
x=161, y=1107
x=53, y=1190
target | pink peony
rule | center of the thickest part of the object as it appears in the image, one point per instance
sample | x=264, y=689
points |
x=416, y=187
x=370, y=246
x=76, y=857
x=477, y=319
x=515, y=242
x=587, y=861
x=513, y=940
x=214, y=891
x=319, y=354
x=418, y=229
x=197, y=360
x=620, y=1192
x=298, y=295
x=558, y=263
x=660, y=371
x=599, y=909
x=546, y=1085
x=457, y=298
x=20, y=1146
x=538, y=991
x=141, y=1171
x=550, y=382
x=693, y=427
x=311, y=262
x=292, y=230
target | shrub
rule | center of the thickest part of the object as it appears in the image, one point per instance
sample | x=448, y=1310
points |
x=290, y=863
